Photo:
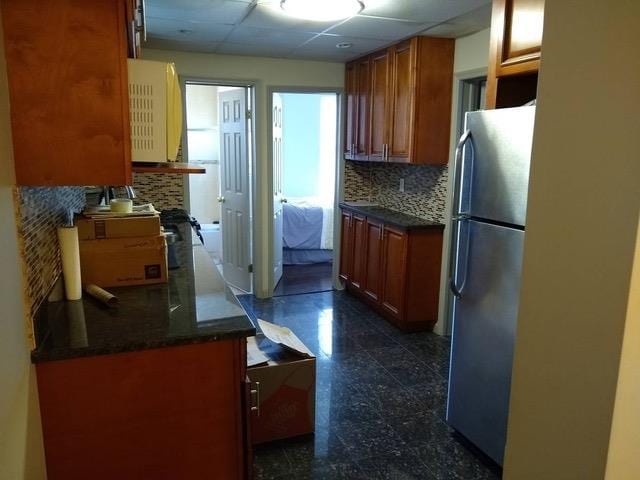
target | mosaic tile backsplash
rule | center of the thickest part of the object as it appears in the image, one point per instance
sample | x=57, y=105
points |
x=40, y=211
x=425, y=187
x=163, y=190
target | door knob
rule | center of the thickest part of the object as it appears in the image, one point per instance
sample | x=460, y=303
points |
x=283, y=200
x=221, y=199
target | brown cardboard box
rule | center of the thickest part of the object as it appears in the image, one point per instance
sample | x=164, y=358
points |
x=117, y=227
x=287, y=398
x=116, y=262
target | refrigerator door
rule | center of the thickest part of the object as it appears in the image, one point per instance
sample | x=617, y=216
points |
x=496, y=167
x=484, y=323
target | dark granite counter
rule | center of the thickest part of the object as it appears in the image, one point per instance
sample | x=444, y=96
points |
x=195, y=306
x=391, y=217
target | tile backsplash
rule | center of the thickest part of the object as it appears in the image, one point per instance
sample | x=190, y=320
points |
x=163, y=190
x=40, y=210
x=425, y=187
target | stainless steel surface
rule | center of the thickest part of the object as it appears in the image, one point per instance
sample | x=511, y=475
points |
x=498, y=179
x=483, y=337
x=460, y=255
x=255, y=394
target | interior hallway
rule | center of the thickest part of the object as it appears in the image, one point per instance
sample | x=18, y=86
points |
x=380, y=398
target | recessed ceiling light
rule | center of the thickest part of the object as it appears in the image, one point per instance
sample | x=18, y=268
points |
x=185, y=31
x=321, y=10
x=344, y=45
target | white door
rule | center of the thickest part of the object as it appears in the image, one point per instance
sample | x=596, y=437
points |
x=278, y=199
x=235, y=197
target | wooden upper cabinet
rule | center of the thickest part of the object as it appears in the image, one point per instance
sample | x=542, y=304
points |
x=378, y=124
x=516, y=40
x=352, y=109
x=409, y=102
x=67, y=73
x=401, y=97
x=362, y=121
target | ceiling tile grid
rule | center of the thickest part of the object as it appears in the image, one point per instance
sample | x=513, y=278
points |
x=260, y=28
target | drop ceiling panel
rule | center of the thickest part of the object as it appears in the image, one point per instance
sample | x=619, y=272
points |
x=181, y=45
x=214, y=11
x=268, y=36
x=270, y=16
x=426, y=11
x=377, y=28
x=327, y=43
x=187, y=31
x=254, y=50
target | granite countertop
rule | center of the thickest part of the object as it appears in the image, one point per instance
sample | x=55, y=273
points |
x=195, y=306
x=386, y=215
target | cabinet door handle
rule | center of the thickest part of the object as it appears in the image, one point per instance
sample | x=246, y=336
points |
x=255, y=394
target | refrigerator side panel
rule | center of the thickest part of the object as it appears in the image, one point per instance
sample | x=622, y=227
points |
x=497, y=173
x=484, y=326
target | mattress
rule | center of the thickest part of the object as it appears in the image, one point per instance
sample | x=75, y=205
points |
x=307, y=225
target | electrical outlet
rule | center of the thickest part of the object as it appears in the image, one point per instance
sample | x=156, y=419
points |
x=401, y=189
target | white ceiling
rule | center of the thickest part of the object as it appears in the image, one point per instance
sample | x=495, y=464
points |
x=259, y=28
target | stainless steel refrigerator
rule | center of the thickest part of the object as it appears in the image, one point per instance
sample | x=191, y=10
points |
x=491, y=178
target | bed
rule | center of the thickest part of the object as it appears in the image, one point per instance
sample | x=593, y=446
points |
x=307, y=231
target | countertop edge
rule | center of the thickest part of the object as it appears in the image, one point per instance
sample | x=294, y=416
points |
x=51, y=356
x=429, y=224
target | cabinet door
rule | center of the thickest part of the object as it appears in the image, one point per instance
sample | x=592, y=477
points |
x=67, y=73
x=522, y=31
x=362, y=126
x=372, y=284
x=346, y=246
x=403, y=71
x=350, y=83
x=379, y=105
x=394, y=255
x=359, y=249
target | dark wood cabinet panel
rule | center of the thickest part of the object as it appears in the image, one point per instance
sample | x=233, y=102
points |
x=174, y=412
x=362, y=123
x=394, y=254
x=359, y=224
x=401, y=97
x=379, y=104
x=351, y=93
x=515, y=49
x=373, y=259
x=346, y=246
x=67, y=73
x=395, y=271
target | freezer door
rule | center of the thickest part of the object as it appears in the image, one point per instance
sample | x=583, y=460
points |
x=496, y=167
x=484, y=323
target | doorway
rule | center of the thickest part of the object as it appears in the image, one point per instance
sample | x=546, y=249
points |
x=218, y=133
x=304, y=147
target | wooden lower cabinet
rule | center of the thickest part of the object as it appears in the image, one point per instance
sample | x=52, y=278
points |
x=398, y=272
x=164, y=413
x=346, y=246
x=359, y=264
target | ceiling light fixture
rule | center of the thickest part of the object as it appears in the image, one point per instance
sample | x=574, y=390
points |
x=344, y=45
x=321, y=10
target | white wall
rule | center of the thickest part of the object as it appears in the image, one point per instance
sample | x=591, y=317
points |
x=265, y=72
x=582, y=225
x=470, y=60
x=21, y=451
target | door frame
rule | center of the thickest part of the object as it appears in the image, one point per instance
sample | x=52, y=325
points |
x=444, y=324
x=250, y=86
x=339, y=175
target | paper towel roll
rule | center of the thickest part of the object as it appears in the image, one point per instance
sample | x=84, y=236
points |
x=70, y=253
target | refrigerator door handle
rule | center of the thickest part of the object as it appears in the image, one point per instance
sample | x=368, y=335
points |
x=456, y=283
x=458, y=169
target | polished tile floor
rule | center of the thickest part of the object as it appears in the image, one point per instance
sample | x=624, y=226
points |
x=380, y=398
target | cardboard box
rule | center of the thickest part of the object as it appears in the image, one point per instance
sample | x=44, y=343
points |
x=117, y=227
x=287, y=403
x=117, y=262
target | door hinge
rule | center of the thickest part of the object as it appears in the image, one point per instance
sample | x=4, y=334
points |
x=250, y=268
x=249, y=115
